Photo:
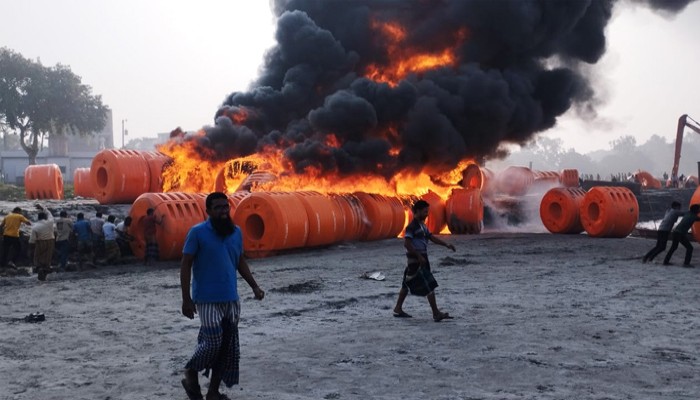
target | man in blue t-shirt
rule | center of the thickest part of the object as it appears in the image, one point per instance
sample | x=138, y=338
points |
x=83, y=232
x=417, y=277
x=212, y=254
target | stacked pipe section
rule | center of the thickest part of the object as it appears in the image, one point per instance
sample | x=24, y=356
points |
x=695, y=199
x=121, y=176
x=42, y=182
x=606, y=212
x=82, y=184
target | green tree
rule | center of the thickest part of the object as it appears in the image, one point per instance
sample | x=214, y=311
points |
x=36, y=101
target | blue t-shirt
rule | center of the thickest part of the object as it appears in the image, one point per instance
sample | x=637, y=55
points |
x=215, y=263
x=82, y=230
x=419, y=235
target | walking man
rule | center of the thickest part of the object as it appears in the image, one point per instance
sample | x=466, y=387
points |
x=664, y=231
x=212, y=254
x=680, y=233
x=417, y=278
x=10, y=236
x=41, y=242
x=64, y=227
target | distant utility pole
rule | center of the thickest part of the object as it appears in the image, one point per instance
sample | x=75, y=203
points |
x=124, y=132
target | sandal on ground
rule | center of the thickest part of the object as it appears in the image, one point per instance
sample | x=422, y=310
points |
x=194, y=392
x=402, y=314
x=441, y=316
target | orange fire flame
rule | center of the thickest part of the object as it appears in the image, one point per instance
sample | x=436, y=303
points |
x=405, y=61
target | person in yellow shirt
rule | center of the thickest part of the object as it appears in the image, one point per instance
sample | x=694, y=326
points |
x=10, y=236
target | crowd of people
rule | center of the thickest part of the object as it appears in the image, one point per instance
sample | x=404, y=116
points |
x=88, y=241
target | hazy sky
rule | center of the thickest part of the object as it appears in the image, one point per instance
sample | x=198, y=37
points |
x=163, y=64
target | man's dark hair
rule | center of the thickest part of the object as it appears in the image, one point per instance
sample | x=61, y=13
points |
x=80, y=216
x=150, y=211
x=63, y=214
x=98, y=214
x=41, y=215
x=17, y=210
x=695, y=208
x=110, y=218
x=419, y=205
x=214, y=196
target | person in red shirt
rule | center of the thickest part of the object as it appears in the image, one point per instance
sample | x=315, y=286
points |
x=150, y=223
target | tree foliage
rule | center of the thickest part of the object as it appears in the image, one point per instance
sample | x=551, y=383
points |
x=36, y=101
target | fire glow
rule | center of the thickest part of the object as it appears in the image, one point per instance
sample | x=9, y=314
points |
x=406, y=61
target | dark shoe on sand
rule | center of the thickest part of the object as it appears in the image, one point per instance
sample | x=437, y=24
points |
x=194, y=392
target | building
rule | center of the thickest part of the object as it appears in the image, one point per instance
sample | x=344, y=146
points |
x=67, y=151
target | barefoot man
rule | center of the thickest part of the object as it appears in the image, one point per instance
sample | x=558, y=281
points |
x=212, y=254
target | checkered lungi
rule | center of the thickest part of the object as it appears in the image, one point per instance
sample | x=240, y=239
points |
x=43, y=252
x=217, y=342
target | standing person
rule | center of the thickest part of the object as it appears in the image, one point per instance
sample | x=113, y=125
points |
x=149, y=233
x=212, y=254
x=64, y=227
x=83, y=232
x=98, y=238
x=680, y=233
x=109, y=231
x=10, y=236
x=124, y=236
x=41, y=242
x=417, y=278
x=664, y=231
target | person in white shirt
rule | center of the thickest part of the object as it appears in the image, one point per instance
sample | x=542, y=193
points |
x=109, y=231
x=41, y=242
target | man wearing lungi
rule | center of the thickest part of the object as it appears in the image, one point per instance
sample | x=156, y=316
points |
x=149, y=223
x=417, y=278
x=212, y=254
x=41, y=242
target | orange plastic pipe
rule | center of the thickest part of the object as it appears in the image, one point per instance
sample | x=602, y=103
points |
x=610, y=212
x=43, y=182
x=464, y=211
x=272, y=221
x=569, y=178
x=181, y=212
x=82, y=185
x=560, y=210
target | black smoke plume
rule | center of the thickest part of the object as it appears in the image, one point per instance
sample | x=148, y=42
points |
x=517, y=71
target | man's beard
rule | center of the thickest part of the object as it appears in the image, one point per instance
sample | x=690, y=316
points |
x=223, y=226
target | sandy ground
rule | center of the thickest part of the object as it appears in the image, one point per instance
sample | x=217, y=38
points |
x=538, y=316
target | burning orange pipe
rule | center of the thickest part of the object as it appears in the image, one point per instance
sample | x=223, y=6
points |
x=610, y=212
x=43, y=182
x=464, y=211
x=560, y=210
x=120, y=176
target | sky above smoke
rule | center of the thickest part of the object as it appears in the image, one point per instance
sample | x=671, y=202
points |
x=517, y=66
x=162, y=64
